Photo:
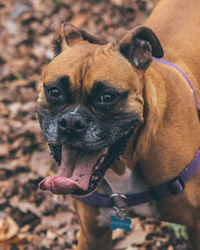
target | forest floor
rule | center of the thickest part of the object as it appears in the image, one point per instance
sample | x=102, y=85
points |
x=29, y=217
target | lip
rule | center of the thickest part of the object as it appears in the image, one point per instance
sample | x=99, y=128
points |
x=80, y=173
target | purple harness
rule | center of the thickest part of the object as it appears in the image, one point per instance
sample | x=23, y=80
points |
x=172, y=187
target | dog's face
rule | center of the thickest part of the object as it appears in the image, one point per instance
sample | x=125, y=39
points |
x=91, y=103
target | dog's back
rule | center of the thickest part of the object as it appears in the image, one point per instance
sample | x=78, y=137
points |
x=179, y=20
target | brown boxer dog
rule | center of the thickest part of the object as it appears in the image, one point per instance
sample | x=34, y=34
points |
x=119, y=122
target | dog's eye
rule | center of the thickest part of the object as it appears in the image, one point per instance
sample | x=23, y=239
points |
x=107, y=98
x=54, y=95
x=54, y=92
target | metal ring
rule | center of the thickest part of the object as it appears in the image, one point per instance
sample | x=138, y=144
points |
x=120, y=196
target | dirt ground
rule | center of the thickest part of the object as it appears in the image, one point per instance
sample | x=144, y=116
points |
x=30, y=218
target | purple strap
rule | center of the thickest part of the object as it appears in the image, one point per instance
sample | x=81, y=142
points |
x=172, y=187
x=184, y=75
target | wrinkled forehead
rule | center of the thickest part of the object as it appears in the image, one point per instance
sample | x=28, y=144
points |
x=87, y=63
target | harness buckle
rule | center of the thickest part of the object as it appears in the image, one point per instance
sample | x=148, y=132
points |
x=119, y=204
x=118, y=201
x=176, y=186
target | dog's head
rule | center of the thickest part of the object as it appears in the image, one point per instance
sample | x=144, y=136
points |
x=91, y=103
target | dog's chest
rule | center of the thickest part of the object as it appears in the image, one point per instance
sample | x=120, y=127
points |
x=128, y=183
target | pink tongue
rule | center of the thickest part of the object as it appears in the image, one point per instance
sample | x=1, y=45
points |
x=70, y=177
x=58, y=185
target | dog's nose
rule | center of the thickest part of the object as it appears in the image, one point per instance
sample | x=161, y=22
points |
x=74, y=123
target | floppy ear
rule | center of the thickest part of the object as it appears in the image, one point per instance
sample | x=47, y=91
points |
x=139, y=45
x=69, y=35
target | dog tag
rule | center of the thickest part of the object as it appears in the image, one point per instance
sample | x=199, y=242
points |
x=124, y=223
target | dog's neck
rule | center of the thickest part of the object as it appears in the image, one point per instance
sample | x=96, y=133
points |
x=165, y=118
x=158, y=115
x=125, y=182
x=122, y=178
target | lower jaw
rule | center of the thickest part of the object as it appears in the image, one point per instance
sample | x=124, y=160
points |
x=113, y=155
x=115, y=150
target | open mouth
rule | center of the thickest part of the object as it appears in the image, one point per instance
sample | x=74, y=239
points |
x=80, y=173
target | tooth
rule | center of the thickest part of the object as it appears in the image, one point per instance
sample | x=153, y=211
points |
x=105, y=151
x=102, y=159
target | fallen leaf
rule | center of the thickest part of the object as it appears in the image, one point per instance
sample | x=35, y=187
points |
x=41, y=163
x=8, y=227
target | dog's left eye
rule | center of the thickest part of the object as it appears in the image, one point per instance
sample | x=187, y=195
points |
x=107, y=98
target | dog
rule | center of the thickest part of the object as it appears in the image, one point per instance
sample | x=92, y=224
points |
x=122, y=122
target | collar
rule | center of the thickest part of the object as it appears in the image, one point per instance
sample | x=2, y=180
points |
x=171, y=187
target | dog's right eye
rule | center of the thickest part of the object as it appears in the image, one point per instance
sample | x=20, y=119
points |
x=54, y=93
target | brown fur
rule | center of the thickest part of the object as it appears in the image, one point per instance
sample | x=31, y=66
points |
x=170, y=135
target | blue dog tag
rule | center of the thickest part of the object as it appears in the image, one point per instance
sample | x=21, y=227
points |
x=124, y=224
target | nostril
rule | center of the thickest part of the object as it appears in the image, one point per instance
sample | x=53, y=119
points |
x=72, y=124
x=63, y=124
x=79, y=125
